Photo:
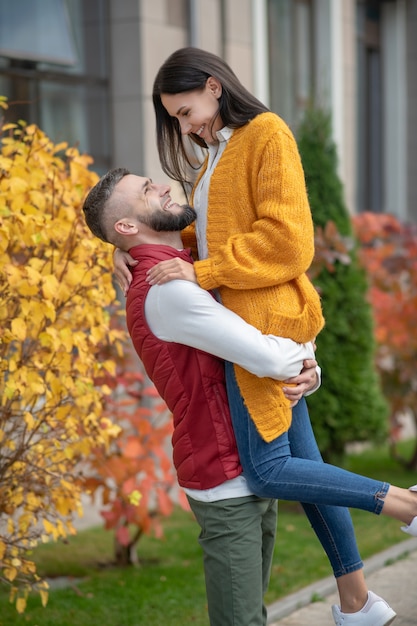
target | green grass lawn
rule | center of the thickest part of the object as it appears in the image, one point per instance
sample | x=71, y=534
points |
x=167, y=588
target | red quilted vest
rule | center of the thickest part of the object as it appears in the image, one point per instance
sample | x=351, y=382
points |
x=190, y=381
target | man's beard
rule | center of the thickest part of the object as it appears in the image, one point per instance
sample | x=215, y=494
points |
x=168, y=222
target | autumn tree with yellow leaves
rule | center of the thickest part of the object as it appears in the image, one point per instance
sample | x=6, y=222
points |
x=55, y=297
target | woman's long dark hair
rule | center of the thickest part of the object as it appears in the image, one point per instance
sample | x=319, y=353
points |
x=188, y=69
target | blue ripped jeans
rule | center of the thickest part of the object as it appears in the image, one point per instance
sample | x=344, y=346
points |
x=291, y=468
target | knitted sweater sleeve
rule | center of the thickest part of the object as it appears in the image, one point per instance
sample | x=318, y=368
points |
x=264, y=208
x=189, y=240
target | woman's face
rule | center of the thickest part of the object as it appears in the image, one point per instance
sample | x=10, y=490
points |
x=197, y=110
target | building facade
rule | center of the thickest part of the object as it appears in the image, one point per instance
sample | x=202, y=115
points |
x=83, y=70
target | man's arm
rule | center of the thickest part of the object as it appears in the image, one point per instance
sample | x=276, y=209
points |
x=180, y=311
x=306, y=383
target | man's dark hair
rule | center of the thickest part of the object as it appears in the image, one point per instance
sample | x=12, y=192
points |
x=96, y=200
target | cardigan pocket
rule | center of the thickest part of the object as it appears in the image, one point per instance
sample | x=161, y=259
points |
x=300, y=328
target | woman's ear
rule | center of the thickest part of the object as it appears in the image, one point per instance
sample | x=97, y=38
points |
x=214, y=86
x=126, y=227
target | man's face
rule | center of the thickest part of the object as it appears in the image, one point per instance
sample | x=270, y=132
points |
x=153, y=206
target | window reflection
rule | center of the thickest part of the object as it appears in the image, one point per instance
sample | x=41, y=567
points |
x=58, y=76
x=291, y=57
x=36, y=31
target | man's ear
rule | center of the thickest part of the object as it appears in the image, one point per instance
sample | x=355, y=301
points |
x=126, y=227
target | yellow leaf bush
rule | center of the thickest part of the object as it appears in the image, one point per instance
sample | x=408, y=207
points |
x=55, y=294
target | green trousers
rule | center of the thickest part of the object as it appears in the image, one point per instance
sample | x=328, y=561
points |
x=237, y=537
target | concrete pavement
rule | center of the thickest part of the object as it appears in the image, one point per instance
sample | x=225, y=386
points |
x=392, y=574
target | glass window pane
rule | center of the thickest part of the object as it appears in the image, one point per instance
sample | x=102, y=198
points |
x=291, y=57
x=89, y=27
x=281, y=58
x=36, y=31
x=79, y=115
x=304, y=50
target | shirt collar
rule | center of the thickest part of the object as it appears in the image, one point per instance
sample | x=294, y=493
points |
x=224, y=133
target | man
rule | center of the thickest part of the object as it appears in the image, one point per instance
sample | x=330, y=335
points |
x=182, y=334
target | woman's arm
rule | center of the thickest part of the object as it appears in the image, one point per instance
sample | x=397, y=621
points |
x=273, y=240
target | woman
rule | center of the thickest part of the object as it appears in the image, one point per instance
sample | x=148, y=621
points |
x=254, y=236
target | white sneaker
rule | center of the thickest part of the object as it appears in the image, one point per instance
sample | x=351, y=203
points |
x=411, y=529
x=376, y=612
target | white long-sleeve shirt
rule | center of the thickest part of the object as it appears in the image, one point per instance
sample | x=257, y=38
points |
x=180, y=311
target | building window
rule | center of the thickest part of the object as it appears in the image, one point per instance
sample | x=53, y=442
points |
x=40, y=32
x=54, y=70
x=291, y=57
x=369, y=110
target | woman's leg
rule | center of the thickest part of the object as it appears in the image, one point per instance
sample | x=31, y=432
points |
x=276, y=469
x=332, y=524
x=272, y=468
x=307, y=475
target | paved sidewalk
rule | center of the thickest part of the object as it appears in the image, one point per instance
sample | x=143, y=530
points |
x=391, y=574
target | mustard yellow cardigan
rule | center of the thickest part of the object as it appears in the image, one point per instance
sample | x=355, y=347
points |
x=261, y=242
